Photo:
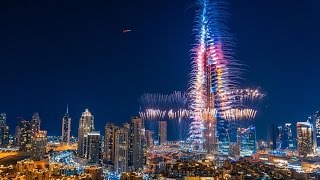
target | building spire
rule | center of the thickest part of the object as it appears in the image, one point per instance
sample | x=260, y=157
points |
x=67, y=108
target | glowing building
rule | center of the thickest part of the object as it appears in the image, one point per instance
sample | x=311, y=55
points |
x=86, y=125
x=316, y=132
x=285, y=139
x=121, y=146
x=35, y=123
x=39, y=142
x=117, y=146
x=4, y=130
x=92, y=147
x=162, y=132
x=109, y=143
x=66, y=128
x=24, y=135
x=137, y=158
x=214, y=74
x=247, y=138
x=304, y=138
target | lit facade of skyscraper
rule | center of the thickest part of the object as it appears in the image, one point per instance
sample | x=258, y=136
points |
x=39, y=142
x=285, y=139
x=149, y=138
x=304, y=138
x=4, y=130
x=162, y=132
x=247, y=141
x=35, y=123
x=316, y=132
x=136, y=149
x=121, y=146
x=109, y=146
x=66, y=128
x=92, y=147
x=86, y=125
x=24, y=135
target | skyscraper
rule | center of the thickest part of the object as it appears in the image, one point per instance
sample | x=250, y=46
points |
x=92, y=147
x=109, y=143
x=85, y=126
x=66, y=128
x=121, y=146
x=162, y=132
x=4, y=130
x=24, y=135
x=304, y=138
x=149, y=138
x=136, y=151
x=316, y=132
x=285, y=139
x=39, y=141
x=35, y=123
x=247, y=141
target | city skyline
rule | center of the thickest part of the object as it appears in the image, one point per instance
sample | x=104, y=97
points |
x=34, y=74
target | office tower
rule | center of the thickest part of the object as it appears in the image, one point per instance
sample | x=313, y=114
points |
x=247, y=141
x=39, y=142
x=223, y=137
x=316, y=132
x=35, y=123
x=3, y=119
x=66, y=128
x=136, y=151
x=273, y=139
x=149, y=138
x=109, y=148
x=85, y=126
x=285, y=139
x=4, y=130
x=304, y=138
x=23, y=135
x=92, y=147
x=121, y=149
x=162, y=132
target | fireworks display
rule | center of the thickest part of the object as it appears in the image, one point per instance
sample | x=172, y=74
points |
x=214, y=72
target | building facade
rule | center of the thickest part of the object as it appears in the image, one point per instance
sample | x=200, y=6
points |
x=86, y=125
x=92, y=147
x=162, y=132
x=136, y=146
x=247, y=141
x=39, y=142
x=66, y=128
x=304, y=138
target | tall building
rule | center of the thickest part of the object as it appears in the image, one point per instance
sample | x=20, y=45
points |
x=285, y=139
x=39, y=142
x=66, y=128
x=121, y=146
x=247, y=141
x=3, y=119
x=316, y=132
x=92, y=148
x=109, y=143
x=136, y=146
x=304, y=138
x=116, y=146
x=273, y=136
x=4, y=130
x=24, y=135
x=35, y=123
x=149, y=138
x=162, y=132
x=86, y=125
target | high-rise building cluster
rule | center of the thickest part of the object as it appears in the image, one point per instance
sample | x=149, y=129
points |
x=30, y=138
x=89, y=140
x=307, y=139
x=125, y=147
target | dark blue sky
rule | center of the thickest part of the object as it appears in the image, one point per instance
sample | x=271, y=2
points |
x=55, y=53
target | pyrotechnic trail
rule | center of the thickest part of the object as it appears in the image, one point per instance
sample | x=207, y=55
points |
x=214, y=71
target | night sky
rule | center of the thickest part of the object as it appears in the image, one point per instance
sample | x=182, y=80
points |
x=55, y=53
